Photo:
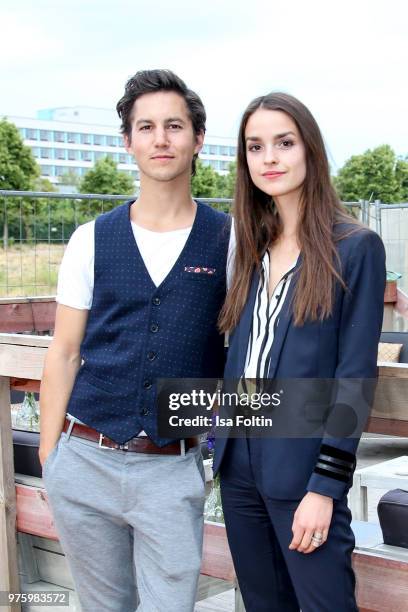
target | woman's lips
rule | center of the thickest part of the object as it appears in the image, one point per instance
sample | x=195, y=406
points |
x=273, y=175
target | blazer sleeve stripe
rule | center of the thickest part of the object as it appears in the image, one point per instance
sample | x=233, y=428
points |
x=335, y=461
x=330, y=468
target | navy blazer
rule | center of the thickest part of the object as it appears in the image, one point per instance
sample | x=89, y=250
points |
x=343, y=346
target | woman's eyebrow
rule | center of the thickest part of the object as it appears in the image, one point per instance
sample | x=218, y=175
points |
x=283, y=135
x=276, y=137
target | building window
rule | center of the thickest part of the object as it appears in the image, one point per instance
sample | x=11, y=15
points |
x=46, y=170
x=32, y=134
x=45, y=135
x=36, y=151
x=205, y=150
x=45, y=153
x=60, y=153
x=86, y=155
x=72, y=154
x=232, y=151
x=213, y=150
x=72, y=137
x=224, y=150
x=97, y=139
x=59, y=136
x=85, y=139
x=111, y=141
x=123, y=158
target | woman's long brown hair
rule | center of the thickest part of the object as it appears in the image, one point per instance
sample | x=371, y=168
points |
x=258, y=225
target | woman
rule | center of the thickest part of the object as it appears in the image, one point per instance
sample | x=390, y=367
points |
x=306, y=302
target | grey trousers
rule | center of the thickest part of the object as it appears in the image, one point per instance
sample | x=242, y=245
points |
x=125, y=519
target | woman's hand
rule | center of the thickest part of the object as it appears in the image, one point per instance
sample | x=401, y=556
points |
x=312, y=518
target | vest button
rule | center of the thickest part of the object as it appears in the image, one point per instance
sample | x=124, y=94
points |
x=147, y=384
x=156, y=301
x=151, y=356
x=154, y=328
x=144, y=411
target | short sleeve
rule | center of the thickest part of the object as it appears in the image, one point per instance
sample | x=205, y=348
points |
x=76, y=273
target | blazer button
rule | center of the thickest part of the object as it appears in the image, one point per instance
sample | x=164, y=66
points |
x=147, y=384
x=151, y=356
x=156, y=301
x=144, y=411
x=154, y=328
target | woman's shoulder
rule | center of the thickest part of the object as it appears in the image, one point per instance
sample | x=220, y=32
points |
x=351, y=237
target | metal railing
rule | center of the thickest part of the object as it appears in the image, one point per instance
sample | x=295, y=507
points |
x=36, y=226
x=34, y=229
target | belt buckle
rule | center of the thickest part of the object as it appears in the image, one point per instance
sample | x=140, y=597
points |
x=120, y=446
x=101, y=444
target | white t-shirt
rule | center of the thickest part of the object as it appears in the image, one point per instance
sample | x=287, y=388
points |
x=159, y=250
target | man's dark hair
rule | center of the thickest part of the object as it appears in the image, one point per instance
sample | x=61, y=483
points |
x=152, y=81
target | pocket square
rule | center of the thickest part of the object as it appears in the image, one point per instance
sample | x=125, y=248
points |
x=199, y=270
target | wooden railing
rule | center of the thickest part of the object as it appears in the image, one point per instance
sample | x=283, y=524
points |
x=21, y=365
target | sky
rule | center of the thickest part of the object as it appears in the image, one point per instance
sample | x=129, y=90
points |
x=346, y=60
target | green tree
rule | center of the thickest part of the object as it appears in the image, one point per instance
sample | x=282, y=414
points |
x=70, y=178
x=43, y=184
x=401, y=173
x=226, y=182
x=18, y=168
x=104, y=177
x=18, y=172
x=372, y=175
x=204, y=182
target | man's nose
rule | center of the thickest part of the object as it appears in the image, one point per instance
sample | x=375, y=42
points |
x=161, y=138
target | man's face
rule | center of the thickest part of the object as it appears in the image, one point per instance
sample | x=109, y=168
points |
x=162, y=140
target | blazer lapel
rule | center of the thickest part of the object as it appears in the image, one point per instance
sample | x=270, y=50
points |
x=285, y=317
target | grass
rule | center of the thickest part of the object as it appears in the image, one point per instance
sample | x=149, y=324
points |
x=30, y=270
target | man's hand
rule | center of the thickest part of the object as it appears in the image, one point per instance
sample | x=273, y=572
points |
x=312, y=517
x=62, y=362
x=43, y=454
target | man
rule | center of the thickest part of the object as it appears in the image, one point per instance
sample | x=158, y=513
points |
x=135, y=303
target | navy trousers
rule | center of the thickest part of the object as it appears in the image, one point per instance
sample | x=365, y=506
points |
x=259, y=529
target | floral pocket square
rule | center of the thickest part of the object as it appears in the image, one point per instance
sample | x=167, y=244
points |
x=199, y=270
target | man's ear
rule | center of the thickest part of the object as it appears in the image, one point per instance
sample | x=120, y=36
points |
x=126, y=143
x=199, y=141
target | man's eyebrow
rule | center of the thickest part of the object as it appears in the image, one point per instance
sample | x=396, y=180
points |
x=143, y=121
x=276, y=137
x=170, y=119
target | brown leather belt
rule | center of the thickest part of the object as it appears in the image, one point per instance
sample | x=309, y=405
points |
x=134, y=445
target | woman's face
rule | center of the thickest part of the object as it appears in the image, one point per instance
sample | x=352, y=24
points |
x=275, y=153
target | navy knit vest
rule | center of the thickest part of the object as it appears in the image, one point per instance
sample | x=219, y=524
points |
x=137, y=332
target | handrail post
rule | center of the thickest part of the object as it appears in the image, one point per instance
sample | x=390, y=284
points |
x=9, y=578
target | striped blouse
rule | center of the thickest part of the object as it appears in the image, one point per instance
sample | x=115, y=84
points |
x=265, y=319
